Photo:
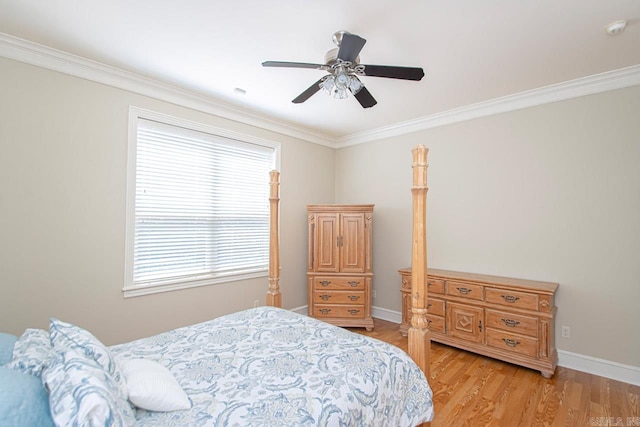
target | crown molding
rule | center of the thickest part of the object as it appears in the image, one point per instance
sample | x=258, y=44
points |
x=43, y=56
x=603, y=82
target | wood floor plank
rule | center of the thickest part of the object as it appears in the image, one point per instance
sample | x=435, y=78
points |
x=473, y=390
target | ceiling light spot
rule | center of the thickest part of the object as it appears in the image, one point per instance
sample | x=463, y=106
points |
x=616, y=27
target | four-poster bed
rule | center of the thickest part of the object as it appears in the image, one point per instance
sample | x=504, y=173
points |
x=260, y=367
x=419, y=341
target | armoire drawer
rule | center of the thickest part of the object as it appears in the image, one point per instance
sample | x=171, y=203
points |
x=338, y=297
x=342, y=311
x=338, y=283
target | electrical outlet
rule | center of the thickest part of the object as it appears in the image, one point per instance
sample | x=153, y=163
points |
x=566, y=332
x=256, y=303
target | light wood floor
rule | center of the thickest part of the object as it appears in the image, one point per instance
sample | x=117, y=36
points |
x=473, y=390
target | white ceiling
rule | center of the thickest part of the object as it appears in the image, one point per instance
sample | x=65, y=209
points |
x=471, y=51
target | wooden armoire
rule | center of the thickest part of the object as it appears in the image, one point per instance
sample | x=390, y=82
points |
x=340, y=273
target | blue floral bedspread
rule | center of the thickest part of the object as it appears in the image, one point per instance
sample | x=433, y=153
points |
x=272, y=367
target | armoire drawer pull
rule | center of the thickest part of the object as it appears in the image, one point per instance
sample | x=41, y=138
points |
x=510, y=322
x=354, y=283
x=354, y=297
x=464, y=291
x=354, y=311
x=510, y=342
x=325, y=282
x=325, y=310
x=510, y=298
x=325, y=297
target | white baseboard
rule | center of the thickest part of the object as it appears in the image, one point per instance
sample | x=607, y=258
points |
x=603, y=368
x=386, y=314
x=300, y=310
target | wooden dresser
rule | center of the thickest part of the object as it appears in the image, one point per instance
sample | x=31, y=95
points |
x=339, y=272
x=507, y=319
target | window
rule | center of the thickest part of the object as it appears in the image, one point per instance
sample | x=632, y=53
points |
x=198, y=204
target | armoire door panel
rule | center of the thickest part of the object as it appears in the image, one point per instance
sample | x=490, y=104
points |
x=327, y=250
x=352, y=243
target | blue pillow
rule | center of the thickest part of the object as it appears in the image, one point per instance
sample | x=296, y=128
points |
x=7, y=342
x=23, y=400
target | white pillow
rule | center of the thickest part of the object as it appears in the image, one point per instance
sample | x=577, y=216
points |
x=152, y=387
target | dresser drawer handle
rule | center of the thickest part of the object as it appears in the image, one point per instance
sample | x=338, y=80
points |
x=325, y=310
x=510, y=342
x=429, y=305
x=510, y=322
x=325, y=282
x=464, y=291
x=354, y=311
x=354, y=283
x=510, y=298
x=325, y=297
x=354, y=297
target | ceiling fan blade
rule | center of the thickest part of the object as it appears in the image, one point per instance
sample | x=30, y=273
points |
x=365, y=98
x=308, y=93
x=405, y=73
x=283, y=64
x=350, y=47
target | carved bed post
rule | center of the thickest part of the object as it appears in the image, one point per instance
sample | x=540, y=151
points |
x=274, y=298
x=419, y=338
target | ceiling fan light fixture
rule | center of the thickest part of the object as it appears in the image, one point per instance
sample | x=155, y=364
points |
x=327, y=84
x=342, y=78
x=355, y=85
x=340, y=92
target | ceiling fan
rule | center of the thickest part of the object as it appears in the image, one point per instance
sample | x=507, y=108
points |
x=343, y=65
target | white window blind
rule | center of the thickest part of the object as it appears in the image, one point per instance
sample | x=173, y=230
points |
x=201, y=206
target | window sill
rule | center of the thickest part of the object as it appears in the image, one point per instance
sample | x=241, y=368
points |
x=141, y=290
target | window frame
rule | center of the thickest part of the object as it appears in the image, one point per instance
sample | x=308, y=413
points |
x=136, y=114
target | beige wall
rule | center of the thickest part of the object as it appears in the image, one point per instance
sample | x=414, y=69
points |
x=63, y=156
x=548, y=193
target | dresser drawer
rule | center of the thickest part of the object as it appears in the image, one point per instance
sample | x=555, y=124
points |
x=512, y=323
x=406, y=282
x=465, y=290
x=515, y=299
x=338, y=283
x=338, y=297
x=512, y=342
x=434, y=286
x=342, y=311
x=435, y=307
x=435, y=323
